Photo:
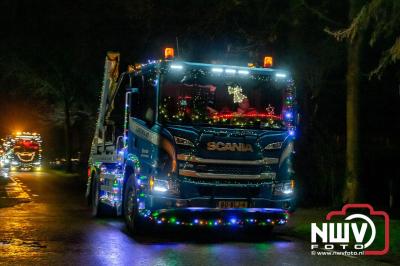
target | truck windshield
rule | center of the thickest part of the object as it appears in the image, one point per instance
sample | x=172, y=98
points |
x=199, y=97
x=26, y=146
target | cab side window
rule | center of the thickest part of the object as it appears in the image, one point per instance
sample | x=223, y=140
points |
x=149, y=98
x=143, y=104
x=134, y=101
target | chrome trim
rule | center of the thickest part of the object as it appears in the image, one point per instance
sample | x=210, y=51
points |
x=286, y=153
x=239, y=184
x=195, y=159
x=192, y=173
x=183, y=141
x=274, y=146
x=270, y=160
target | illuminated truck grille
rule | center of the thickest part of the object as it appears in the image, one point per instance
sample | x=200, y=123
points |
x=25, y=156
x=223, y=169
x=230, y=169
x=238, y=192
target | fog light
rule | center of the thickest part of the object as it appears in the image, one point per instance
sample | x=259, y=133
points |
x=166, y=185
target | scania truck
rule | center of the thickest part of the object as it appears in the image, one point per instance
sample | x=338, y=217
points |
x=193, y=144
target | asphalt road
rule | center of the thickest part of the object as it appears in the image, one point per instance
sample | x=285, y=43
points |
x=55, y=228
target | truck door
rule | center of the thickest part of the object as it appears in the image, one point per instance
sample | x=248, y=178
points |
x=143, y=133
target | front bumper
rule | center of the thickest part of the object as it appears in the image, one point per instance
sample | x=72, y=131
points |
x=156, y=202
x=201, y=211
x=26, y=167
x=213, y=217
x=208, y=195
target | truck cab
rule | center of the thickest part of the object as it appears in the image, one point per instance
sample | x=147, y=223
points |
x=201, y=144
x=25, y=152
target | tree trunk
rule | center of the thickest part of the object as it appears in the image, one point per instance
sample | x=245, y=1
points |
x=351, y=189
x=68, y=136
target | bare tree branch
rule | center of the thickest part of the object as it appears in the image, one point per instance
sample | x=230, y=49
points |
x=319, y=14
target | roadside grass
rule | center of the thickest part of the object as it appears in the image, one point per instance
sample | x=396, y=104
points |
x=299, y=225
x=394, y=236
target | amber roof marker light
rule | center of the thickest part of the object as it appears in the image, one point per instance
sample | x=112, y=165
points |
x=169, y=53
x=268, y=62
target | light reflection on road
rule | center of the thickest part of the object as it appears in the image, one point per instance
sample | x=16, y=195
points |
x=115, y=247
x=56, y=228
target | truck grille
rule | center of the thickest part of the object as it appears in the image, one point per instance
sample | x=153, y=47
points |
x=25, y=156
x=237, y=192
x=230, y=169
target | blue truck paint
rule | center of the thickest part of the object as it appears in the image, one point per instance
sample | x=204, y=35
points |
x=182, y=167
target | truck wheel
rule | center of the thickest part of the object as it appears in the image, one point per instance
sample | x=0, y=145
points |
x=97, y=206
x=130, y=206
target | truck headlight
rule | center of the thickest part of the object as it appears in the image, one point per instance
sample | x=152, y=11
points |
x=14, y=163
x=274, y=146
x=184, y=142
x=159, y=185
x=284, y=188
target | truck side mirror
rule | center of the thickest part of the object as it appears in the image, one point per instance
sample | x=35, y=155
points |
x=149, y=117
x=298, y=119
x=132, y=90
x=132, y=100
x=120, y=143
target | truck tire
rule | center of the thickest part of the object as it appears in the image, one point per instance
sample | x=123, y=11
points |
x=131, y=214
x=97, y=207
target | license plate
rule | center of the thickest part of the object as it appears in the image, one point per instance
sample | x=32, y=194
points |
x=224, y=204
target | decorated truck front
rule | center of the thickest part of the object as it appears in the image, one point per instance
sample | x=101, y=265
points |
x=220, y=136
x=195, y=144
x=26, y=152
